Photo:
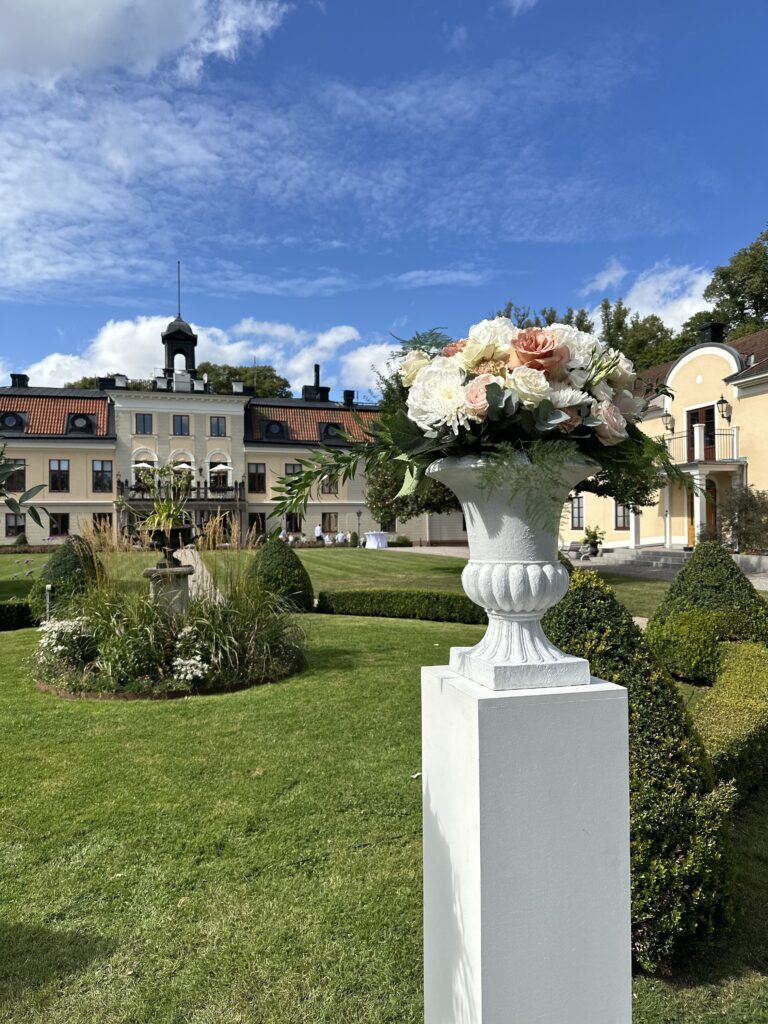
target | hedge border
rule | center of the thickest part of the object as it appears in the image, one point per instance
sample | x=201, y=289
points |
x=425, y=605
x=15, y=614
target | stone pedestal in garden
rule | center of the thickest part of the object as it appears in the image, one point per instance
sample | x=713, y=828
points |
x=170, y=586
x=526, y=792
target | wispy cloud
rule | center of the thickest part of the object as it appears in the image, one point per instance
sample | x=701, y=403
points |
x=431, y=278
x=672, y=292
x=83, y=36
x=455, y=38
x=519, y=6
x=612, y=274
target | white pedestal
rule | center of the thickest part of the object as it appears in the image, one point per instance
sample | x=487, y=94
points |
x=526, y=853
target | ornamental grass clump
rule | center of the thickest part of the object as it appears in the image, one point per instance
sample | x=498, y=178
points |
x=118, y=641
x=679, y=819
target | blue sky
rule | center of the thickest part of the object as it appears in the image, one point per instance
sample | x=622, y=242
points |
x=331, y=171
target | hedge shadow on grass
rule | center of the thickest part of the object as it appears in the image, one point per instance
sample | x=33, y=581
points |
x=33, y=955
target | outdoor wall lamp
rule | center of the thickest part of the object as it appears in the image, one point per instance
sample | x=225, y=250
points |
x=724, y=408
x=669, y=421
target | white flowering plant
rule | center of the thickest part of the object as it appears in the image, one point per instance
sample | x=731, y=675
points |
x=553, y=393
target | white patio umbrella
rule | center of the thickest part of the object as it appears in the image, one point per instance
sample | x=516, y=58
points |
x=182, y=465
x=222, y=467
x=143, y=465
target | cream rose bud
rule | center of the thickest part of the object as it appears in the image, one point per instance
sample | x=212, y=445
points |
x=477, y=350
x=623, y=374
x=411, y=365
x=630, y=407
x=613, y=429
x=531, y=385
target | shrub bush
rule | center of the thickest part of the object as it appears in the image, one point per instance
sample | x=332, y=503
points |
x=689, y=644
x=711, y=581
x=15, y=615
x=123, y=642
x=680, y=820
x=354, y=540
x=400, y=542
x=21, y=540
x=280, y=571
x=733, y=717
x=69, y=569
x=565, y=562
x=431, y=605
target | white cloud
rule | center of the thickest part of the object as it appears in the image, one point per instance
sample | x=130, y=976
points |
x=673, y=293
x=455, y=39
x=612, y=274
x=428, y=278
x=519, y=6
x=134, y=347
x=358, y=368
x=47, y=40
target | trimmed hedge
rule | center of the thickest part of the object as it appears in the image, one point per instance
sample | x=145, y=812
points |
x=689, y=644
x=15, y=615
x=431, y=605
x=679, y=819
x=733, y=717
x=711, y=581
x=280, y=570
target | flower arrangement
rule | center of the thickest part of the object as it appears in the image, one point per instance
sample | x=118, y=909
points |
x=554, y=394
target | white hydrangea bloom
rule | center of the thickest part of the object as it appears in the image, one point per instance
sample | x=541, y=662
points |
x=566, y=397
x=436, y=398
x=500, y=333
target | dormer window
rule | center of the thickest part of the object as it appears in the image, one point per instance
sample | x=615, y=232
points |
x=275, y=430
x=330, y=432
x=13, y=421
x=81, y=423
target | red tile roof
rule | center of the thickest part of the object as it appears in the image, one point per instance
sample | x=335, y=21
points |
x=48, y=415
x=755, y=345
x=303, y=421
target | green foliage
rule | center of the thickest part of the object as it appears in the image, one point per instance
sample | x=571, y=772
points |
x=21, y=540
x=566, y=563
x=524, y=316
x=15, y=614
x=739, y=289
x=22, y=503
x=354, y=540
x=742, y=514
x=265, y=380
x=733, y=717
x=120, y=640
x=710, y=580
x=70, y=569
x=679, y=821
x=133, y=384
x=429, y=605
x=400, y=541
x=279, y=570
x=689, y=643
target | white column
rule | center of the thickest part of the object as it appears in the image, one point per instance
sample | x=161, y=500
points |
x=735, y=436
x=698, y=442
x=667, y=517
x=700, y=504
x=634, y=530
x=526, y=853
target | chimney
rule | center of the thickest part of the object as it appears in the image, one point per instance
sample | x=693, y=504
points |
x=19, y=380
x=314, y=392
x=711, y=333
x=317, y=375
x=349, y=399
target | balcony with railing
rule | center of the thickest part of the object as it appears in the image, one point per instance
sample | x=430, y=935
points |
x=196, y=493
x=701, y=445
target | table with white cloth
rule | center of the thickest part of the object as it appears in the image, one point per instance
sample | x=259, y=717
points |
x=375, y=540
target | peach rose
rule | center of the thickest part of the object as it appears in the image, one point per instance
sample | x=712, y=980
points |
x=539, y=349
x=453, y=348
x=574, y=419
x=474, y=395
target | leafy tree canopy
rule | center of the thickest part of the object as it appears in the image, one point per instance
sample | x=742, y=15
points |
x=93, y=382
x=738, y=290
x=524, y=316
x=265, y=380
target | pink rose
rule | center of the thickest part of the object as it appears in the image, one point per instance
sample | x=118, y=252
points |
x=613, y=429
x=474, y=395
x=539, y=349
x=574, y=419
x=630, y=407
x=453, y=348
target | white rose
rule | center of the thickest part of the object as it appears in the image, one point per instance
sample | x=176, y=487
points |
x=630, y=407
x=477, y=350
x=582, y=346
x=603, y=392
x=623, y=375
x=613, y=428
x=410, y=366
x=531, y=385
x=436, y=398
x=500, y=333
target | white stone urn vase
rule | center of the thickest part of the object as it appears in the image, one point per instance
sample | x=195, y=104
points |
x=513, y=571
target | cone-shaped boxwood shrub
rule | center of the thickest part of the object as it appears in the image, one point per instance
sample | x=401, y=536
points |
x=680, y=821
x=280, y=571
x=71, y=567
x=711, y=581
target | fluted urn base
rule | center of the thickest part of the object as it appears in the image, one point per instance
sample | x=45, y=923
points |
x=513, y=573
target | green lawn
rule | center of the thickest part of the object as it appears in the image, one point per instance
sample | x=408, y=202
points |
x=358, y=569
x=18, y=565
x=256, y=857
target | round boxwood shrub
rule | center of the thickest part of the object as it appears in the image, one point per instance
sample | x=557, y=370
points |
x=689, y=643
x=354, y=540
x=711, y=581
x=280, y=571
x=679, y=818
x=71, y=567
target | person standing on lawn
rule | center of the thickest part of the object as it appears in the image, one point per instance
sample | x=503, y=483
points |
x=318, y=532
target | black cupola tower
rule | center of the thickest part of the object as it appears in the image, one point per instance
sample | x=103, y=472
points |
x=179, y=338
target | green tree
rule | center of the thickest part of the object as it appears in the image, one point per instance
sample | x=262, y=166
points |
x=91, y=383
x=738, y=290
x=524, y=316
x=689, y=334
x=265, y=380
x=646, y=340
